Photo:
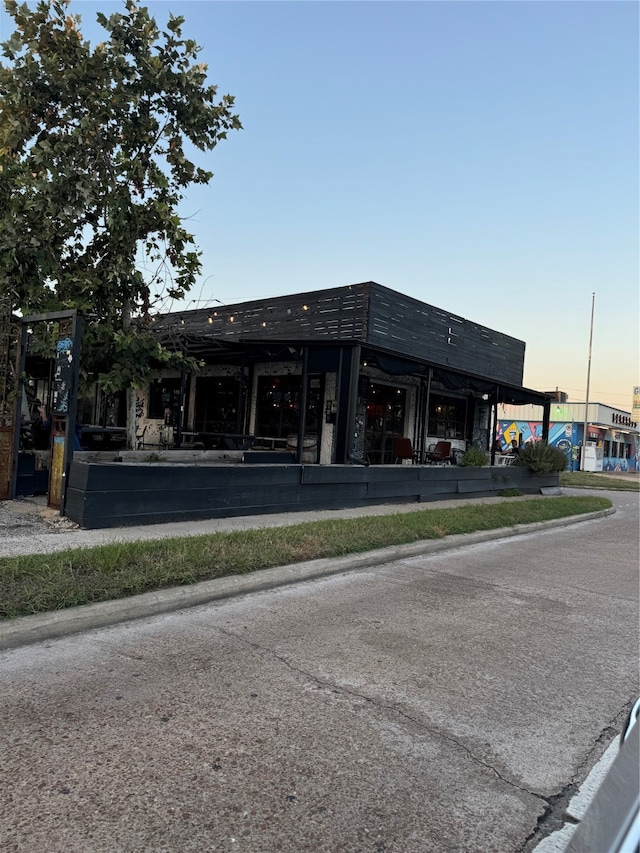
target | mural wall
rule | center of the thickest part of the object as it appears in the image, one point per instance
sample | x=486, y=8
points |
x=619, y=452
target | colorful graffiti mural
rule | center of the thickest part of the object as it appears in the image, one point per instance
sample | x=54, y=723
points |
x=568, y=438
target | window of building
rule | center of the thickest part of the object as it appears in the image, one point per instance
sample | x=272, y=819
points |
x=219, y=404
x=446, y=417
x=386, y=406
x=606, y=448
x=627, y=451
x=278, y=406
x=164, y=400
x=614, y=449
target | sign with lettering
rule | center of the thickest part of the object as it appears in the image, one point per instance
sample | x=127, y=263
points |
x=623, y=420
x=62, y=376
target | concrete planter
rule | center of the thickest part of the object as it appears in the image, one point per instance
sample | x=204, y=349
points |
x=114, y=494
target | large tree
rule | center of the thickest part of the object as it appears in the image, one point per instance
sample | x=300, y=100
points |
x=95, y=153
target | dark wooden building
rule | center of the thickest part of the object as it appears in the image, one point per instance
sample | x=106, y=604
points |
x=336, y=374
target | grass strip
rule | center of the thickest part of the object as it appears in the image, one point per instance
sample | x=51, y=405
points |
x=591, y=480
x=40, y=583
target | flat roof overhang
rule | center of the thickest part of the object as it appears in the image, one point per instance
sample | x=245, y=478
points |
x=213, y=350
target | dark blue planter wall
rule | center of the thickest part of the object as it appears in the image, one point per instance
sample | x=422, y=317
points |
x=120, y=494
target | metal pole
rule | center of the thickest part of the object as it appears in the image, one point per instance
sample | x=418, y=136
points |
x=586, y=404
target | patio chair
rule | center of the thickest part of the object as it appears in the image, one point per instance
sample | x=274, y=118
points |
x=403, y=449
x=166, y=436
x=140, y=437
x=439, y=454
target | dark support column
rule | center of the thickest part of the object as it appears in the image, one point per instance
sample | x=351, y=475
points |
x=241, y=427
x=180, y=424
x=348, y=373
x=425, y=423
x=546, y=417
x=72, y=414
x=418, y=429
x=302, y=420
x=17, y=418
x=494, y=425
x=247, y=401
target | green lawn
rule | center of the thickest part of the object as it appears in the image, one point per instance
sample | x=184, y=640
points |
x=44, y=582
x=587, y=479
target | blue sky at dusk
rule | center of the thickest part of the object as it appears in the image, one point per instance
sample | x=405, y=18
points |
x=479, y=156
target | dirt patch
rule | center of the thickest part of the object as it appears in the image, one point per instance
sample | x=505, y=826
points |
x=28, y=516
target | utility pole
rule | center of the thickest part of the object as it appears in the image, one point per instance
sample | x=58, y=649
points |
x=586, y=404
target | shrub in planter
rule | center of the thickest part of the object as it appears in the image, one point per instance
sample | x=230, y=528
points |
x=474, y=458
x=541, y=458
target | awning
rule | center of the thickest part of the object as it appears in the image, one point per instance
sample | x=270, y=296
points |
x=499, y=393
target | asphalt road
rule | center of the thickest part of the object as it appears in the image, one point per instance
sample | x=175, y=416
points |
x=442, y=703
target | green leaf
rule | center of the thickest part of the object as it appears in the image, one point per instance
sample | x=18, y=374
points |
x=93, y=163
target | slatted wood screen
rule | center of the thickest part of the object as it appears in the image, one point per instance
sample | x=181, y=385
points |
x=365, y=313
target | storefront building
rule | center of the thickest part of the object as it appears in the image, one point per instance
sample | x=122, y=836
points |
x=339, y=373
x=613, y=438
x=333, y=388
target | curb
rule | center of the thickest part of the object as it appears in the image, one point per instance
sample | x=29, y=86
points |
x=61, y=623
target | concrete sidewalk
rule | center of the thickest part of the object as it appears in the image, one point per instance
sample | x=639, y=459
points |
x=28, y=526
x=32, y=528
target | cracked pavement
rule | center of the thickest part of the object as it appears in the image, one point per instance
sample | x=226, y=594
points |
x=451, y=702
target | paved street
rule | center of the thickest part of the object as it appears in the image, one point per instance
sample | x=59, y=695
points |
x=438, y=703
